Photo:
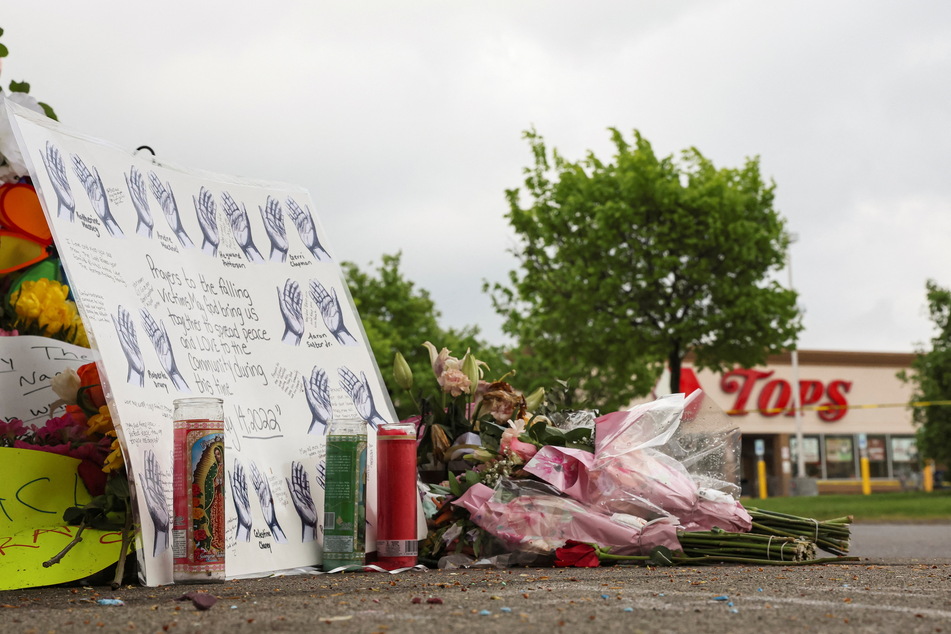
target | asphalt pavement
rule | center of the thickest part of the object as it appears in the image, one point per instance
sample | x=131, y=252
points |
x=902, y=582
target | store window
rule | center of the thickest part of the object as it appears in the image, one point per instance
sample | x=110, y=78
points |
x=905, y=460
x=840, y=457
x=811, y=456
x=877, y=457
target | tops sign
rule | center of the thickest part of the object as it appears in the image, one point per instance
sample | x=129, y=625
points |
x=774, y=396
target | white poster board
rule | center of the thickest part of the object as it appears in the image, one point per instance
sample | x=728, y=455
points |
x=195, y=284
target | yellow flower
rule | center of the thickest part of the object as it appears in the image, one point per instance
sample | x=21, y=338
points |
x=57, y=316
x=43, y=304
x=198, y=513
x=27, y=305
x=79, y=337
x=114, y=461
x=101, y=423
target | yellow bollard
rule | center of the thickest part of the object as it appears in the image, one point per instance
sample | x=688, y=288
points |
x=927, y=476
x=866, y=476
x=761, y=472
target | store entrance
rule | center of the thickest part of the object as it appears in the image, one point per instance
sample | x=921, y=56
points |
x=749, y=477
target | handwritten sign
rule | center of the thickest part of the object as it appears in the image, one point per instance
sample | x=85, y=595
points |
x=195, y=284
x=36, y=487
x=27, y=364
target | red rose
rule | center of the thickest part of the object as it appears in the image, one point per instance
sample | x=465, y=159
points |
x=577, y=554
x=92, y=476
x=201, y=535
x=91, y=386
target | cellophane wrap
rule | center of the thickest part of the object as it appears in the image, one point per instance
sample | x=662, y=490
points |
x=676, y=457
x=531, y=516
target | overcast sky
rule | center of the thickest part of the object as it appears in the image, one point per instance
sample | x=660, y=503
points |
x=404, y=121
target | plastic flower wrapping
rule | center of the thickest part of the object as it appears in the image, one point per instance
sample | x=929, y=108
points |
x=660, y=468
x=675, y=457
x=531, y=516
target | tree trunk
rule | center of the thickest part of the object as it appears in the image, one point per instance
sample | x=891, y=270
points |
x=673, y=362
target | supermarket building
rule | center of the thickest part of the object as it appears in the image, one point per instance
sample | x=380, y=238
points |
x=848, y=398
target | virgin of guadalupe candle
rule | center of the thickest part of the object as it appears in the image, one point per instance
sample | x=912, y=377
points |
x=198, y=528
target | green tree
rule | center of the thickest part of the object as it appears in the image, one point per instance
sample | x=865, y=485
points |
x=630, y=264
x=398, y=317
x=931, y=377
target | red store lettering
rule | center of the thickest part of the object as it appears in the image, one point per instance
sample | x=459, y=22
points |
x=775, y=396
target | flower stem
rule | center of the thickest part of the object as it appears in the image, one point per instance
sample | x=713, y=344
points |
x=124, y=547
x=78, y=537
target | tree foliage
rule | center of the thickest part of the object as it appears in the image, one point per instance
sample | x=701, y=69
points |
x=636, y=262
x=931, y=377
x=398, y=317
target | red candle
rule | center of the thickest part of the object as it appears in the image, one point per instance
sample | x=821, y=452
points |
x=397, y=498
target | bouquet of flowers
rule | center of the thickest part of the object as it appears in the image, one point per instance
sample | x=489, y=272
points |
x=464, y=419
x=654, y=484
x=473, y=430
x=85, y=431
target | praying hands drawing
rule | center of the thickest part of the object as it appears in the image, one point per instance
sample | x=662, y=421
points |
x=359, y=392
x=242, y=504
x=240, y=227
x=135, y=182
x=56, y=169
x=330, y=311
x=299, y=488
x=307, y=230
x=208, y=221
x=263, y=490
x=291, y=303
x=166, y=198
x=125, y=330
x=163, y=348
x=96, y=191
x=274, y=226
x=317, y=391
x=156, y=503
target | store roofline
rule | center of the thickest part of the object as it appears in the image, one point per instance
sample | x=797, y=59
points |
x=840, y=357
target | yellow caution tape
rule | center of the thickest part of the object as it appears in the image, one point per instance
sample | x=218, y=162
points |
x=828, y=408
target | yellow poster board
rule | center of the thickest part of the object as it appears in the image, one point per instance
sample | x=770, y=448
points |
x=36, y=487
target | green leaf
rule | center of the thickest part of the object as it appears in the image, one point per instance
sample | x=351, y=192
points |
x=49, y=111
x=74, y=515
x=537, y=431
x=99, y=502
x=662, y=556
x=454, y=485
x=19, y=86
x=3, y=50
x=579, y=434
x=584, y=446
x=472, y=478
x=118, y=486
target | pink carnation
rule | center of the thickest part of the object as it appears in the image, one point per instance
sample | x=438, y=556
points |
x=10, y=431
x=454, y=381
